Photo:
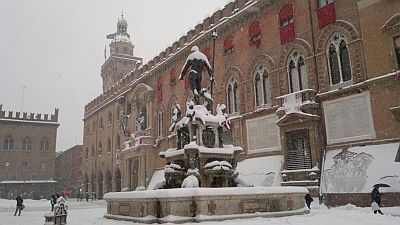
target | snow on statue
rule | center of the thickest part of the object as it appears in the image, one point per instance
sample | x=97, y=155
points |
x=196, y=62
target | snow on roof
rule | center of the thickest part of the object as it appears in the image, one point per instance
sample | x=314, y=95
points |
x=26, y=181
x=261, y=171
x=359, y=168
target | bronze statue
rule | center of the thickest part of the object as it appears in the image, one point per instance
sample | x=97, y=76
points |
x=196, y=62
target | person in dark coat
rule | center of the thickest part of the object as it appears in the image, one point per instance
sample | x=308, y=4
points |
x=308, y=200
x=376, y=196
x=20, y=205
x=53, y=201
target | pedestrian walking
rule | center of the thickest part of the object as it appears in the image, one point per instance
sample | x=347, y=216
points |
x=87, y=196
x=20, y=205
x=376, y=197
x=61, y=199
x=375, y=207
x=53, y=201
x=308, y=200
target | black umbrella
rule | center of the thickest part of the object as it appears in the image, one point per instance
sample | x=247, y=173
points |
x=381, y=185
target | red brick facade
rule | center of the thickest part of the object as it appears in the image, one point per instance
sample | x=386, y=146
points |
x=236, y=59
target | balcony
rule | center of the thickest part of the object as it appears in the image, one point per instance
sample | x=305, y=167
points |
x=304, y=102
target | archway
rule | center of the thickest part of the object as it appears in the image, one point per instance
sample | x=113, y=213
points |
x=86, y=183
x=93, y=186
x=108, y=187
x=117, y=179
x=100, y=185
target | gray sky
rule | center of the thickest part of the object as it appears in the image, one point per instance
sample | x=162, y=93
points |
x=56, y=49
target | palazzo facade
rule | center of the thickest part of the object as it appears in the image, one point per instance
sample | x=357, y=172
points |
x=298, y=77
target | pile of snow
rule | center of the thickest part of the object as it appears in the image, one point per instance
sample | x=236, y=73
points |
x=190, y=182
x=157, y=180
x=261, y=171
x=359, y=168
x=218, y=165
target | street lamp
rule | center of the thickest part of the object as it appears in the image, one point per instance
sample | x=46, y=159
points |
x=214, y=36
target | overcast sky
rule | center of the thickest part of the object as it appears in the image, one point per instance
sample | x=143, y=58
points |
x=56, y=48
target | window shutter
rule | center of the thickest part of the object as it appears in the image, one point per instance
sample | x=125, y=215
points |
x=287, y=33
x=228, y=44
x=255, y=33
x=326, y=15
x=286, y=12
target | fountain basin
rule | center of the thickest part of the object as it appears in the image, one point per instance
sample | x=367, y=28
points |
x=205, y=204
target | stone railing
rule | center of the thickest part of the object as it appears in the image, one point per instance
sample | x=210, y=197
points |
x=302, y=101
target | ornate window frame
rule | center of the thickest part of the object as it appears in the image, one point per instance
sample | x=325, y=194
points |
x=262, y=87
x=232, y=95
x=392, y=30
x=338, y=43
x=26, y=144
x=44, y=144
x=296, y=63
x=8, y=143
x=160, y=123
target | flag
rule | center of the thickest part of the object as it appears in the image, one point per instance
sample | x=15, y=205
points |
x=111, y=36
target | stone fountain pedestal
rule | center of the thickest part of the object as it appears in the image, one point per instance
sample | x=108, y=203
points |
x=205, y=204
x=207, y=169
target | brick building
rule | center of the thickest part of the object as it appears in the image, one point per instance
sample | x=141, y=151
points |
x=27, y=154
x=299, y=78
x=68, y=170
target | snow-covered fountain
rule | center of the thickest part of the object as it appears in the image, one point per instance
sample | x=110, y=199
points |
x=200, y=158
x=200, y=174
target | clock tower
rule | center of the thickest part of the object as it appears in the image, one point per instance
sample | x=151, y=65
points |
x=121, y=60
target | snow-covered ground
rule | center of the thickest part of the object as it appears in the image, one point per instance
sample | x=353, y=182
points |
x=91, y=213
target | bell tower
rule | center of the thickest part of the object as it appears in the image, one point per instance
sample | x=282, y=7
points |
x=121, y=60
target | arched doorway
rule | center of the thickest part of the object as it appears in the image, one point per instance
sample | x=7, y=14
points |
x=100, y=185
x=86, y=183
x=108, y=187
x=134, y=174
x=93, y=186
x=117, y=179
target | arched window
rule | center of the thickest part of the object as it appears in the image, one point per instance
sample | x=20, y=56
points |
x=109, y=117
x=26, y=144
x=44, y=145
x=262, y=86
x=125, y=51
x=232, y=95
x=94, y=126
x=144, y=112
x=339, y=59
x=297, y=72
x=101, y=123
x=109, y=146
x=8, y=144
x=128, y=108
x=160, y=126
x=117, y=142
x=92, y=153
x=86, y=153
x=100, y=149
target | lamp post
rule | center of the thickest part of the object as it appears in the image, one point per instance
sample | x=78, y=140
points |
x=214, y=36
